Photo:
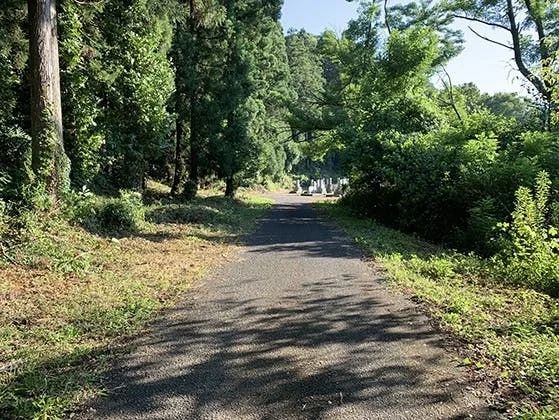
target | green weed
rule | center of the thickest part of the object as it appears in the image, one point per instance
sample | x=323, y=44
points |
x=69, y=296
x=531, y=244
x=515, y=331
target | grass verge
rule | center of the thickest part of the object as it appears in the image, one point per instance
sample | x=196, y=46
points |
x=69, y=298
x=510, y=335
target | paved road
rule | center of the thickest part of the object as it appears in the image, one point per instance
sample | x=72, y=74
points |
x=299, y=328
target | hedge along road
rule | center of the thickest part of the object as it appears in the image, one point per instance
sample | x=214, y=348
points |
x=300, y=327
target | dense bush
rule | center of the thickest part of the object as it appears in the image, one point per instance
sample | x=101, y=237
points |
x=450, y=184
x=469, y=186
x=530, y=255
x=429, y=183
x=189, y=190
x=122, y=214
x=107, y=215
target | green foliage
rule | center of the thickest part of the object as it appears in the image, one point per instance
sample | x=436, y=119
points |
x=307, y=80
x=430, y=182
x=428, y=14
x=81, y=45
x=138, y=81
x=14, y=141
x=4, y=225
x=512, y=105
x=15, y=160
x=189, y=190
x=530, y=256
x=116, y=84
x=419, y=166
x=121, y=215
x=511, y=332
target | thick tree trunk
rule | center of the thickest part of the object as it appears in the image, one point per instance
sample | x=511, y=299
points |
x=179, y=159
x=49, y=161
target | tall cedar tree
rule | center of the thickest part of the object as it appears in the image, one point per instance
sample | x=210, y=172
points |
x=49, y=161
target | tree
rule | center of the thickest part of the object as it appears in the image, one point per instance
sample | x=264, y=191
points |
x=316, y=111
x=533, y=28
x=136, y=86
x=253, y=89
x=181, y=54
x=231, y=148
x=49, y=161
x=198, y=53
x=270, y=72
x=305, y=62
x=306, y=80
x=512, y=105
x=82, y=65
x=14, y=100
x=427, y=13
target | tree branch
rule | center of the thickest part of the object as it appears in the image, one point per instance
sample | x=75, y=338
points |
x=491, y=40
x=516, y=41
x=539, y=28
x=386, y=22
x=451, y=94
x=473, y=19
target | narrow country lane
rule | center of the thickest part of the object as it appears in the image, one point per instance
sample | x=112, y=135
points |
x=298, y=328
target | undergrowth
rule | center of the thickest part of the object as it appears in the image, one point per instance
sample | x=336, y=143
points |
x=511, y=333
x=70, y=293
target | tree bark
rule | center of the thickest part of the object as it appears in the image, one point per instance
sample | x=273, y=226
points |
x=229, y=187
x=194, y=132
x=179, y=159
x=48, y=160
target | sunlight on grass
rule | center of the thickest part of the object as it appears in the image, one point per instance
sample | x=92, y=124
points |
x=510, y=334
x=72, y=296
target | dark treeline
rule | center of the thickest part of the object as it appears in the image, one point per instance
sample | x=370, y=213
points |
x=193, y=91
x=180, y=91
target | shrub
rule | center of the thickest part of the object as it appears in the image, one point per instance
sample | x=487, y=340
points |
x=480, y=230
x=3, y=219
x=4, y=181
x=123, y=214
x=14, y=162
x=531, y=246
x=107, y=215
x=189, y=190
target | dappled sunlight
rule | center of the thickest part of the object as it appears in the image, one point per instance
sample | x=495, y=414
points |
x=306, y=356
x=299, y=327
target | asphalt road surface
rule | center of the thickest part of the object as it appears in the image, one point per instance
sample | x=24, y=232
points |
x=300, y=327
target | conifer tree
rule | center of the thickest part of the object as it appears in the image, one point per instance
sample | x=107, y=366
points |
x=49, y=162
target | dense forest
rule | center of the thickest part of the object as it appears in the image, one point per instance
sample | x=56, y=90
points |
x=102, y=95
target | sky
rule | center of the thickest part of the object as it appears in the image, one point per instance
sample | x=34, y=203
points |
x=487, y=65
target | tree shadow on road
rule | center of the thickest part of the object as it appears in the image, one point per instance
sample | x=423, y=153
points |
x=310, y=355
x=326, y=349
x=294, y=228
